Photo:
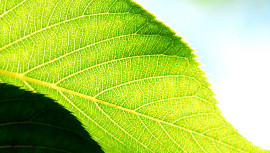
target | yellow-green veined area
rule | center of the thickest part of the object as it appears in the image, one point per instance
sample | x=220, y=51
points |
x=133, y=84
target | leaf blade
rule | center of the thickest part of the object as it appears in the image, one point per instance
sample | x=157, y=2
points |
x=108, y=65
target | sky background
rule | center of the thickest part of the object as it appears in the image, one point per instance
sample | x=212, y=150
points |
x=232, y=41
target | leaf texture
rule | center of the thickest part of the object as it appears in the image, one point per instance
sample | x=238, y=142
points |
x=32, y=123
x=132, y=82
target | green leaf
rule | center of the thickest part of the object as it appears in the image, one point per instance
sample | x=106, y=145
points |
x=30, y=122
x=132, y=82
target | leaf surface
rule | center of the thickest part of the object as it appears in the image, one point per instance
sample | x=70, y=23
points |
x=132, y=82
x=30, y=122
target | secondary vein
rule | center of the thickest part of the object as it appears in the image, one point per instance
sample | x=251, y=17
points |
x=53, y=86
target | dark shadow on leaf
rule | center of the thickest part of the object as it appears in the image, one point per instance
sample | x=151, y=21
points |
x=30, y=122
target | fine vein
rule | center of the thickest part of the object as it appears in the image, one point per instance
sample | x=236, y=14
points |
x=53, y=86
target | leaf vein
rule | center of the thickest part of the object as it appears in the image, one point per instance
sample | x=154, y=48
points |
x=138, y=80
x=12, y=8
x=83, y=113
x=121, y=127
x=151, y=132
x=72, y=52
x=195, y=115
x=111, y=61
x=173, y=98
x=60, y=89
x=59, y=23
x=198, y=143
x=171, y=137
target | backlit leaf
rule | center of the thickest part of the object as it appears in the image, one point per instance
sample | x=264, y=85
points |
x=132, y=82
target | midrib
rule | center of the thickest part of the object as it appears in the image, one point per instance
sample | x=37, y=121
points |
x=53, y=86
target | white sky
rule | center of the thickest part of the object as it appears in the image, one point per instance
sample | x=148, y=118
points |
x=232, y=40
